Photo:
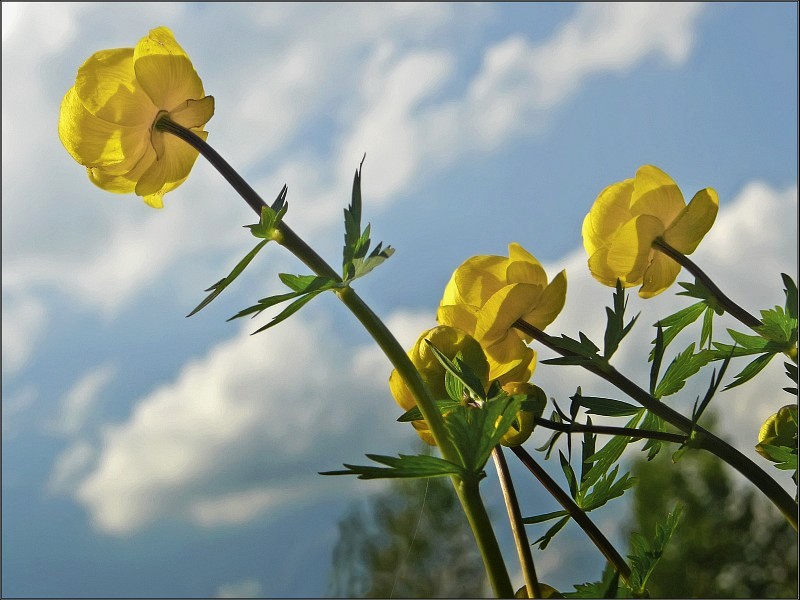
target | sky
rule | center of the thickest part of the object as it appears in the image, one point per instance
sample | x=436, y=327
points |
x=146, y=454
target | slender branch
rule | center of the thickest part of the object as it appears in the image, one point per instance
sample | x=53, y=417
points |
x=467, y=492
x=517, y=527
x=575, y=511
x=729, y=305
x=608, y=430
x=700, y=437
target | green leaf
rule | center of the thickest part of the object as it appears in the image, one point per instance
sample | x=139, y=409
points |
x=608, y=454
x=777, y=325
x=288, y=311
x=682, y=367
x=403, y=466
x=308, y=283
x=652, y=422
x=352, y=226
x=226, y=281
x=750, y=371
x=605, y=406
x=675, y=323
x=606, y=489
x=264, y=304
x=697, y=412
x=708, y=328
x=550, y=534
x=616, y=330
x=791, y=295
x=414, y=414
x=461, y=371
x=785, y=457
x=545, y=517
x=607, y=587
x=656, y=355
x=569, y=474
x=646, y=555
x=698, y=290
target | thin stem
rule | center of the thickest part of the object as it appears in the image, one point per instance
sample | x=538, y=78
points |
x=573, y=427
x=729, y=305
x=700, y=437
x=579, y=516
x=467, y=492
x=517, y=527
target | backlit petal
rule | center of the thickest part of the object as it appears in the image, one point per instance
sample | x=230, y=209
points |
x=550, y=303
x=164, y=70
x=609, y=212
x=476, y=280
x=659, y=275
x=598, y=265
x=523, y=267
x=656, y=194
x=193, y=113
x=171, y=169
x=693, y=223
x=510, y=303
x=460, y=316
x=630, y=250
x=510, y=360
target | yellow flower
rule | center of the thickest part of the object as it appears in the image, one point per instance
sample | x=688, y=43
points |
x=779, y=430
x=487, y=294
x=628, y=216
x=107, y=120
x=450, y=342
x=520, y=431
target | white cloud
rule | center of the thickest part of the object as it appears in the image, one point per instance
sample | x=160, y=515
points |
x=247, y=588
x=24, y=321
x=70, y=466
x=242, y=430
x=77, y=404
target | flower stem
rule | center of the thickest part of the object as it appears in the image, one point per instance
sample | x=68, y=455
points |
x=467, y=492
x=517, y=527
x=729, y=305
x=577, y=514
x=700, y=437
x=573, y=427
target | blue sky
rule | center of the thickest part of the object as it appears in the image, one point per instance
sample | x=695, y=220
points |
x=145, y=454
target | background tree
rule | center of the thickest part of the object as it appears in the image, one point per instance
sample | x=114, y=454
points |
x=407, y=543
x=728, y=544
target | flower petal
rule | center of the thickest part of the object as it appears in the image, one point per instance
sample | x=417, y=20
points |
x=193, y=113
x=550, y=303
x=171, y=169
x=460, y=316
x=498, y=315
x=693, y=222
x=164, y=70
x=609, y=212
x=475, y=280
x=656, y=194
x=659, y=275
x=630, y=250
x=523, y=267
x=510, y=360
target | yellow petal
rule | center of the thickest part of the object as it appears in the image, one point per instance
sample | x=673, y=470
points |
x=609, y=212
x=510, y=360
x=659, y=275
x=630, y=250
x=523, y=267
x=112, y=180
x=476, y=280
x=694, y=222
x=106, y=84
x=510, y=303
x=460, y=316
x=550, y=303
x=95, y=142
x=598, y=265
x=171, y=169
x=656, y=194
x=164, y=70
x=400, y=391
x=193, y=113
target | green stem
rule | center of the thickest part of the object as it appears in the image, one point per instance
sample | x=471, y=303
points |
x=729, y=305
x=577, y=514
x=517, y=526
x=573, y=427
x=700, y=437
x=467, y=492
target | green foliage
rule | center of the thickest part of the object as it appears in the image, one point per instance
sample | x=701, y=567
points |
x=683, y=366
x=581, y=352
x=357, y=260
x=404, y=466
x=616, y=329
x=605, y=406
x=647, y=554
x=607, y=587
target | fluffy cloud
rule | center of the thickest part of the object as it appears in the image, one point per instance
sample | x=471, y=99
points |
x=77, y=405
x=241, y=430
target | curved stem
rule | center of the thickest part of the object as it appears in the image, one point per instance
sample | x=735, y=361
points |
x=729, y=305
x=467, y=493
x=580, y=517
x=517, y=527
x=573, y=427
x=701, y=438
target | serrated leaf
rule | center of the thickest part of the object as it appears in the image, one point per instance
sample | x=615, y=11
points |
x=608, y=455
x=270, y=217
x=572, y=481
x=790, y=289
x=607, y=587
x=707, y=330
x=307, y=283
x=264, y=304
x=460, y=370
x=226, y=281
x=675, y=323
x=550, y=534
x=652, y=422
x=785, y=458
x=362, y=266
x=288, y=311
x=402, y=466
x=683, y=366
x=777, y=326
x=646, y=555
x=656, y=355
x=414, y=413
x=606, y=489
x=615, y=328
x=750, y=371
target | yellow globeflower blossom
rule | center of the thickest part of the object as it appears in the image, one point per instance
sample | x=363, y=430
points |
x=628, y=216
x=779, y=429
x=521, y=430
x=486, y=295
x=108, y=118
x=450, y=341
